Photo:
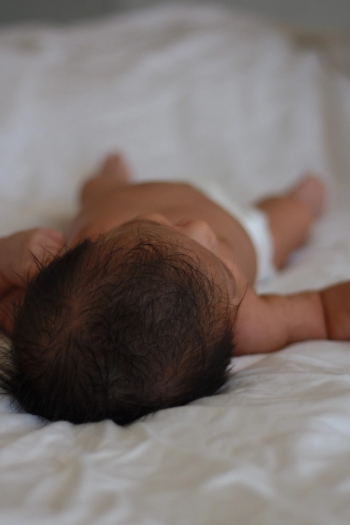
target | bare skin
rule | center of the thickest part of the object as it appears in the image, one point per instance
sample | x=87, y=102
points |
x=112, y=206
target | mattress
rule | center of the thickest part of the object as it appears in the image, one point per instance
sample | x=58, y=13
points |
x=191, y=93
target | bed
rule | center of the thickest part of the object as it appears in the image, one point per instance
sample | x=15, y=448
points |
x=189, y=93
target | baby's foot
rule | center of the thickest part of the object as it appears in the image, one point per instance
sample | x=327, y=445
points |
x=312, y=191
x=114, y=167
x=112, y=173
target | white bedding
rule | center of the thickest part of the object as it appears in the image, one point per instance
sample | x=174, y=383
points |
x=186, y=93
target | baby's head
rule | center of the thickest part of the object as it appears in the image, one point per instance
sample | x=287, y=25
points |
x=122, y=326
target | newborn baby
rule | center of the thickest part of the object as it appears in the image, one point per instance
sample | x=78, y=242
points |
x=145, y=302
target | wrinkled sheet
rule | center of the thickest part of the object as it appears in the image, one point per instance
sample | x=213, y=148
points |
x=189, y=93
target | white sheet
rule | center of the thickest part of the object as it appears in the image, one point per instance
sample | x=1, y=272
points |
x=185, y=93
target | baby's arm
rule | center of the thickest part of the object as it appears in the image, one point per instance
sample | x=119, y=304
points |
x=269, y=322
x=19, y=255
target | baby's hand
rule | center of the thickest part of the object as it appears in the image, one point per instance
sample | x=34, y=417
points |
x=21, y=252
x=336, y=307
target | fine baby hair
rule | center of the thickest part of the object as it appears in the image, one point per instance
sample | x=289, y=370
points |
x=118, y=330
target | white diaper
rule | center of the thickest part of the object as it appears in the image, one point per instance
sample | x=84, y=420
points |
x=254, y=222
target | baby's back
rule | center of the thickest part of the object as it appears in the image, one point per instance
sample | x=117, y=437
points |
x=175, y=201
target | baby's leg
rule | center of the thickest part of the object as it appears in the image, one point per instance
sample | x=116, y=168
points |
x=109, y=177
x=112, y=173
x=291, y=215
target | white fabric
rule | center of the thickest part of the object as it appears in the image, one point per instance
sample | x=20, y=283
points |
x=255, y=223
x=196, y=93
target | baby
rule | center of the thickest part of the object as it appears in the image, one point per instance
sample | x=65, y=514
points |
x=151, y=293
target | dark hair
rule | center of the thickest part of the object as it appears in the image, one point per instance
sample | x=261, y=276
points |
x=116, y=332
